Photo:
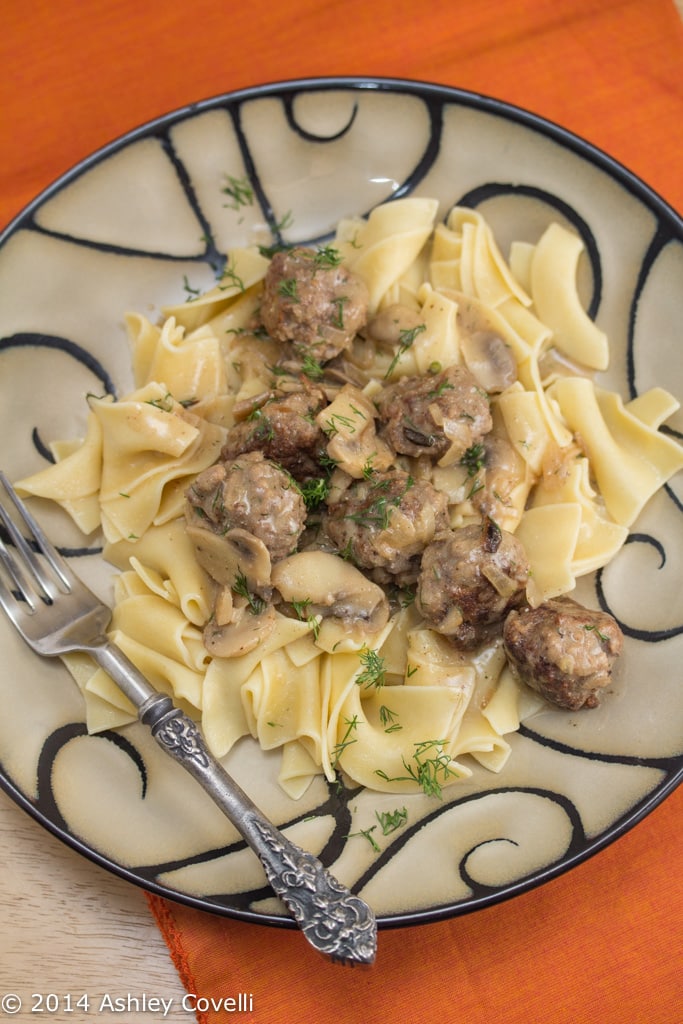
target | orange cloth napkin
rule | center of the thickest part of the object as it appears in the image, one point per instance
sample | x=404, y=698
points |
x=599, y=945
x=602, y=943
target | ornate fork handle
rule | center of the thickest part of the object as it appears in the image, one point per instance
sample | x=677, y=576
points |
x=334, y=921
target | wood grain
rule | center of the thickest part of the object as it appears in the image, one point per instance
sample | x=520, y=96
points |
x=69, y=926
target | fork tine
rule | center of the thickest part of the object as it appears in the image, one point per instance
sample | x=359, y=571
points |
x=41, y=579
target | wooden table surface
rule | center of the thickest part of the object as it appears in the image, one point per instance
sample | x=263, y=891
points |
x=69, y=928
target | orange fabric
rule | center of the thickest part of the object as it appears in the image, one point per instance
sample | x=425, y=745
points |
x=602, y=943
x=599, y=945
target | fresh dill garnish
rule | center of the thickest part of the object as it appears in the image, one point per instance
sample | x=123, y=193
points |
x=406, y=337
x=263, y=430
x=286, y=222
x=314, y=492
x=477, y=486
x=374, y=671
x=437, y=392
x=388, y=719
x=338, y=319
x=241, y=587
x=240, y=192
x=366, y=833
x=165, y=404
x=336, y=421
x=347, y=739
x=430, y=768
x=592, y=628
x=191, y=293
x=368, y=469
x=378, y=512
x=302, y=612
x=268, y=251
x=288, y=289
x=474, y=459
x=327, y=256
x=233, y=279
x=389, y=821
x=311, y=368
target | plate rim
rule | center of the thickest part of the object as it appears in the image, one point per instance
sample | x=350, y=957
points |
x=425, y=89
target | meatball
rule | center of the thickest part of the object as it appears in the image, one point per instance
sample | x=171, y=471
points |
x=253, y=494
x=284, y=429
x=432, y=415
x=384, y=523
x=469, y=580
x=563, y=651
x=313, y=302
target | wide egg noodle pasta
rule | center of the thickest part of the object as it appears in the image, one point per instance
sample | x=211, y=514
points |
x=555, y=296
x=297, y=769
x=244, y=269
x=481, y=270
x=383, y=760
x=224, y=715
x=599, y=537
x=145, y=615
x=192, y=367
x=141, y=453
x=382, y=248
x=549, y=534
x=526, y=424
x=164, y=558
x=436, y=343
x=302, y=691
x=149, y=443
x=110, y=711
x=283, y=704
x=629, y=459
x=73, y=481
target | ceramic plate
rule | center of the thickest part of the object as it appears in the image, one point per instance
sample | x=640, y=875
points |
x=129, y=229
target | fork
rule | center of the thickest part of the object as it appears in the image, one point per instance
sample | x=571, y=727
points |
x=56, y=613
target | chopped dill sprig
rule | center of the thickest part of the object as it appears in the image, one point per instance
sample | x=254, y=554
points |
x=406, y=337
x=390, y=821
x=347, y=739
x=241, y=587
x=429, y=768
x=374, y=671
x=240, y=192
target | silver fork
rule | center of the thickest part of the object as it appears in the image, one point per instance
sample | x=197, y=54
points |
x=56, y=613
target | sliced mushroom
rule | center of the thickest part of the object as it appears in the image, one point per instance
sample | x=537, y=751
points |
x=349, y=423
x=243, y=634
x=224, y=607
x=393, y=322
x=232, y=555
x=332, y=588
x=489, y=360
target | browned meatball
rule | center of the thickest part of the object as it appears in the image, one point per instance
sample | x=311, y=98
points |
x=563, y=651
x=283, y=427
x=430, y=415
x=384, y=523
x=253, y=494
x=469, y=580
x=313, y=302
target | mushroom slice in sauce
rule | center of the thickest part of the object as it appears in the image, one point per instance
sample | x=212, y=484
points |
x=331, y=588
x=240, y=636
x=489, y=359
x=233, y=555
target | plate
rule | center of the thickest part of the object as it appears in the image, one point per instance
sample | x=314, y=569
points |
x=136, y=225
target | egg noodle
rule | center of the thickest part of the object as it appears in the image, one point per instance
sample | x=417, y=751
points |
x=396, y=710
